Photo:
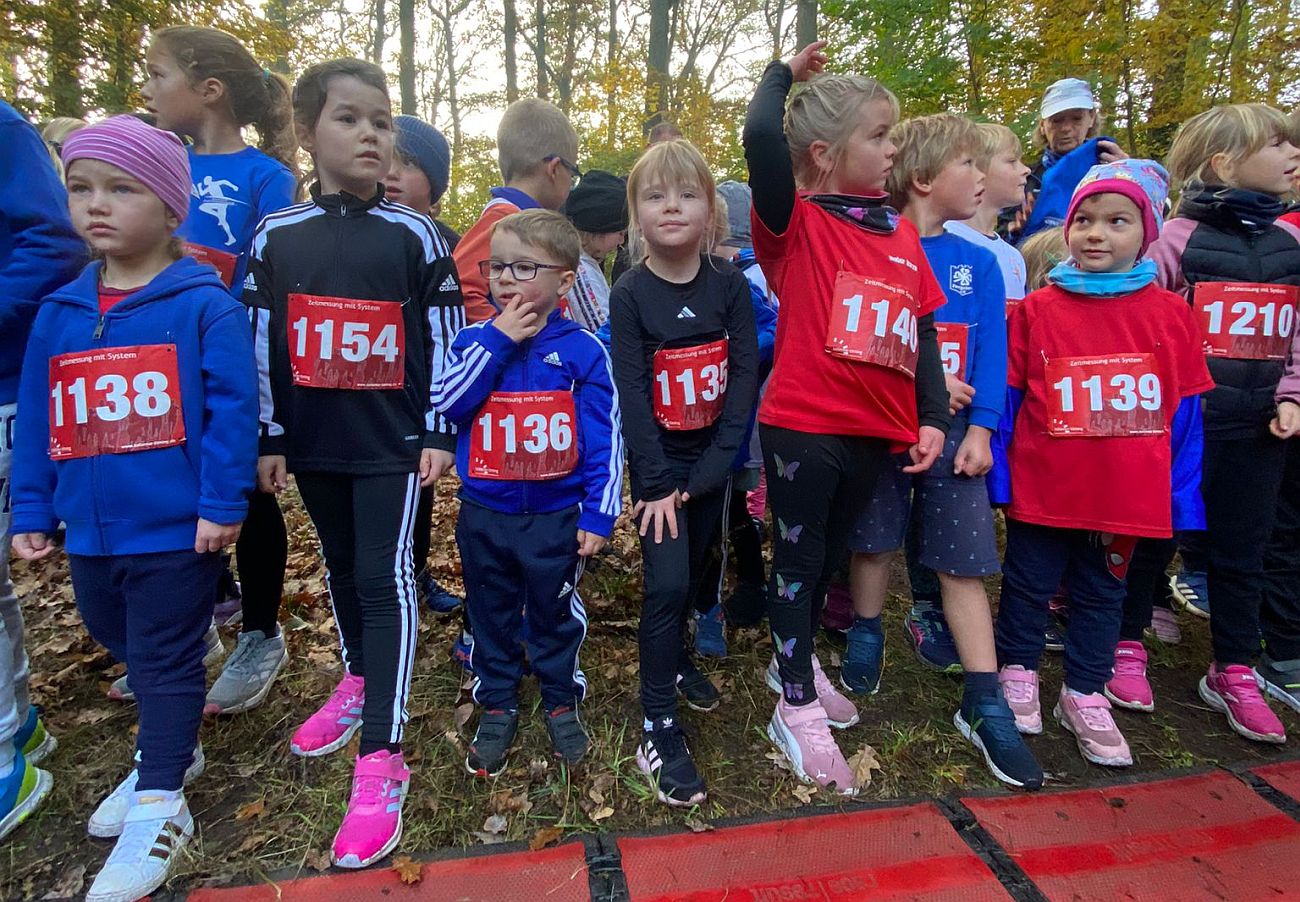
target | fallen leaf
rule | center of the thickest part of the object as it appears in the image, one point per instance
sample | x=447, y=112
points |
x=596, y=796
x=537, y=769
x=318, y=861
x=92, y=716
x=862, y=764
x=69, y=883
x=699, y=825
x=254, y=841
x=463, y=714
x=409, y=871
x=504, y=802
x=804, y=793
x=601, y=813
x=777, y=757
x=497, y=823
x=250, y=810
x=489, y=839
x=544, y=837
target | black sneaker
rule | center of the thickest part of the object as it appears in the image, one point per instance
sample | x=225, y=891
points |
x=491, y=744
x=568, y=737
x=664, y=758
x=1280, y=679
x=697, y=689
x=991, y=727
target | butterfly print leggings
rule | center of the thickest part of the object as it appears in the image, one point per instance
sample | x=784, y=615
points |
x=674, y=572
x=817, y=486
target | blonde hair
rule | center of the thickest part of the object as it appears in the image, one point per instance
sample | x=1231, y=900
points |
x=675, y=162
x=990, y=139
x=721, y=227
x=1043, y=250
x=826, y=109
x=545, y=230
x=1235, y=129
x=532, y=130
x=926, y=145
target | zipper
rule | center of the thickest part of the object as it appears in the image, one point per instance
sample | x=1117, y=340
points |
x=99, y=328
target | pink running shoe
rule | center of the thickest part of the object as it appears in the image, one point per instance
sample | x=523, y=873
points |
x=372, y=826
x=1020, y=688
x=1164, y=626
x=330, y=728
x=841, y=713
x=1088, y=717
x=801, y=733
x=1129, y=687
x=1234, y=691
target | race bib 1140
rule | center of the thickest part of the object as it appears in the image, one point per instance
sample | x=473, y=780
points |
x=872, y=322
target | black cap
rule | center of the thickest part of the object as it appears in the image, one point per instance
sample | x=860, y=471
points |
x=598, y=204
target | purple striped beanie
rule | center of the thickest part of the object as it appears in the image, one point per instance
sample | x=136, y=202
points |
x=156, y=157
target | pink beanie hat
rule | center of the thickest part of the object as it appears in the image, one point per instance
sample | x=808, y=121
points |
x=1144, y=182
x=156, y=157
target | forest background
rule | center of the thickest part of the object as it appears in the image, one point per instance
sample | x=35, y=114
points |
x=618, y=66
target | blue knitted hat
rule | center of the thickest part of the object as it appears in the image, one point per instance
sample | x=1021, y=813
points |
x=419, y=141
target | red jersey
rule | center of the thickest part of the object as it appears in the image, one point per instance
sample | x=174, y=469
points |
x=837, y=283
x=1102, y=378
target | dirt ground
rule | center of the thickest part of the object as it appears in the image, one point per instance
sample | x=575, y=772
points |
x=259, y=809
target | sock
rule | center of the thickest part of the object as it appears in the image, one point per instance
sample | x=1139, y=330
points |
x=975, y=685
x=867, y=624
x=1076, y=693
x=154, y=795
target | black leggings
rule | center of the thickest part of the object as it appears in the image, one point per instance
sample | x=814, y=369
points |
x=1146, y=585
x=423, y=528
x=1279, y=616
x=261, y=552
x=364, y=524
x=745, y=558
x=818, y=486
x=674, y=571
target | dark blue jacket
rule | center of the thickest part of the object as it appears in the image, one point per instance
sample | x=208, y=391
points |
x=563, y=356
x=39, y=251
x=143, y=501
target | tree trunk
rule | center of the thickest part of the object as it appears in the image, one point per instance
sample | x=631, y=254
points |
x=774, y=12
x=123, y=65
x=453, y=91
x=539, y=51
x=657, y=57
x=277, y=13
x=564, y=78
x=611, y=59
x=66, y=54
x=406, y=63
x=805, y=23
x=511, y=28
x=381, y=26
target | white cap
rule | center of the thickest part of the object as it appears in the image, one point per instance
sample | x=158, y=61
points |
x=1067, y=94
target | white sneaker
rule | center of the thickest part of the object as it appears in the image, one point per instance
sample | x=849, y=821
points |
x=120, y=691
x=107, y=819
x=157, y=826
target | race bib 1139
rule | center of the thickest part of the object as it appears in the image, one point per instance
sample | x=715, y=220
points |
x=1114, y=395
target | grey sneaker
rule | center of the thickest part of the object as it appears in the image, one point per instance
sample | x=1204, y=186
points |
x=120, y=691
x=249, y=673
x=1280, y=679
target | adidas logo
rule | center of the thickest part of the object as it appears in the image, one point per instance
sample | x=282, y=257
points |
x=686, y=313
x=449, y=284
x=553, y=359
x=568, y=587
x=250, y=284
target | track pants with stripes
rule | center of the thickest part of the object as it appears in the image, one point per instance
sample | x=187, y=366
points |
x=517, y=561
x=365, y=525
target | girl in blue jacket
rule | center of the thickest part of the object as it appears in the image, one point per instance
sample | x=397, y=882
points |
x=137, y=427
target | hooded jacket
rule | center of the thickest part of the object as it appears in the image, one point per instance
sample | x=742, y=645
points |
x=144, y=501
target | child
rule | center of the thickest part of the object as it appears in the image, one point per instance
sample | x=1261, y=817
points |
x=138, y=429
x=839, y=395
x=1104, y=369
x=685, y=362
x=597, y=207
x=536, y=147
x=934, y=179
x=205, y=85
x=362, y=309
x=1237, y=265
x=521, y=507
x=1042, y=252
x=39, y=251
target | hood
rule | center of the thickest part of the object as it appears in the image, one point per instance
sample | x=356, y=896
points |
x=184, y=274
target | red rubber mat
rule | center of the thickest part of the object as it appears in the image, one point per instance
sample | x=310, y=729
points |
x=891, y=853
x=1202, y=837
x=1283, y=777
x=553, y=875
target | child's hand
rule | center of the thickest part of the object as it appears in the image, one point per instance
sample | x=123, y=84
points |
x=589, y=544
x=433, y=464
x=808, y=61
x=32, y=546
x=974, y=454
x=519, y=321
x=928, y=447
x=272, y=474
x=1287, y=421
x=960, y=393
x=214, y=536
x=658, y=512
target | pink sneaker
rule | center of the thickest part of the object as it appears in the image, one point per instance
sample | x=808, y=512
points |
x=840, y=712
x=1234, y=691
x=1088, y=717
x=1129, y=687
x=330, y=728
x=801, y=733
x=1164, y=625
x=1020, y=688
x=372, y=826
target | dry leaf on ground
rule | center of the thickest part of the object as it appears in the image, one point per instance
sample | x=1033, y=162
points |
x=862, y=764
x=409, y=871
x=544, y=837
x=250, y=810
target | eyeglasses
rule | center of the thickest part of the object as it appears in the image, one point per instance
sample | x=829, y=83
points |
x=520, y=270
x=574, y=172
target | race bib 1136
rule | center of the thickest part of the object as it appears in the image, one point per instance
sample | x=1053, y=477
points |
x=526, y=436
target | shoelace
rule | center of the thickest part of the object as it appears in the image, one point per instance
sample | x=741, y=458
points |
x=368, y=791
x=241, y=659
x=670, y=742
x=1097, y=719
x=1129, y=666
x=339, y=701
x=1018, y=690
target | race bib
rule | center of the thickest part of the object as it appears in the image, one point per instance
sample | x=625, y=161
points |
x=1110, y=396
x=690, y=385
x=872, y=322
x=954, y=345
x=346, y=343
x=1244, y=320
x=115, y=401
x=524, y=436
x=221, y=261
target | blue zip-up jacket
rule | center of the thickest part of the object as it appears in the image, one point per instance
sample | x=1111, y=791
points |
x=39, y=251
x=563, y=356
x=144, y=501
x=1058, y=184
